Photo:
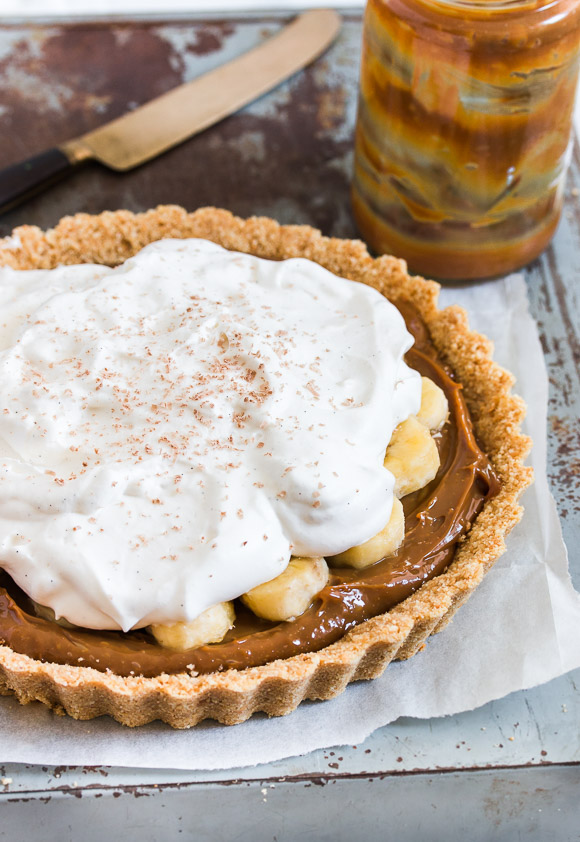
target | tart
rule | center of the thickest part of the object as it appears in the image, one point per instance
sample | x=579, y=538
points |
x=343, y=631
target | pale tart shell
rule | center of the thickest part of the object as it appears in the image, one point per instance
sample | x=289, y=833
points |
x=278, y=688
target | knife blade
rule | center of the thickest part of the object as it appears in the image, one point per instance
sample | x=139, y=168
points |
x=173, y=117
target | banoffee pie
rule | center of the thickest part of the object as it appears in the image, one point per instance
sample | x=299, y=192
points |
x=241, y=465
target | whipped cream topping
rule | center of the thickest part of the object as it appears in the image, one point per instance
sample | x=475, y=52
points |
x=173, y=429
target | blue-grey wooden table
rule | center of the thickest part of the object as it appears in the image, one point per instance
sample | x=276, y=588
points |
x=504, y=772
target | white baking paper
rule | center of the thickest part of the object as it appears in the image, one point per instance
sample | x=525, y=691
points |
x=521, y=627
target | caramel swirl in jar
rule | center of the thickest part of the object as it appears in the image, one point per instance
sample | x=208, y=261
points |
x=464, y=130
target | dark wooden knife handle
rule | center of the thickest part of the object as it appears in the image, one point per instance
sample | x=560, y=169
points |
x=20, y=181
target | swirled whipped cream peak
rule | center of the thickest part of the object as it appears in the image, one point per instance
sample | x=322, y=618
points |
x=174, y=429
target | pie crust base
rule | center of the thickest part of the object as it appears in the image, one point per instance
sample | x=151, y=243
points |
x=278, y=688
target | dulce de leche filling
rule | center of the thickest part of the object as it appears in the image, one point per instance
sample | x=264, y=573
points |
x=436, y=518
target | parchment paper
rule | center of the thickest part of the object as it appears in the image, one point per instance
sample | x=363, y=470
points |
x=521, y=627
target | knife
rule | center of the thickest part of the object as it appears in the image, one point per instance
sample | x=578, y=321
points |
x=170, y=119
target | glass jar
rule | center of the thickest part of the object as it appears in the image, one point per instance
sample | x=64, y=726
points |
x=464, y=134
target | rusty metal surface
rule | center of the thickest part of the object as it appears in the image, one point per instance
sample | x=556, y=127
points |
x=289, y=156
x=439, y=807
x=286, y=155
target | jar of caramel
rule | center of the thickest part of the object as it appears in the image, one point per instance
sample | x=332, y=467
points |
x=464, y=130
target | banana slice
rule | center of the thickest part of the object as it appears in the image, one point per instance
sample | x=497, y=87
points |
x=290, y=593
x=434, y=407
x=412, y=456
x=382, y=545
x=210, y=627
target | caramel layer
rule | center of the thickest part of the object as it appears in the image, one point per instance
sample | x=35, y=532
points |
x=436, y=518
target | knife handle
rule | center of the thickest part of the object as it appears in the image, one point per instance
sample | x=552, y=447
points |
x=20, y=181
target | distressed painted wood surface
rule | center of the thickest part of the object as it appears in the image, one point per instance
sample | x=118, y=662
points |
x=289, y=156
